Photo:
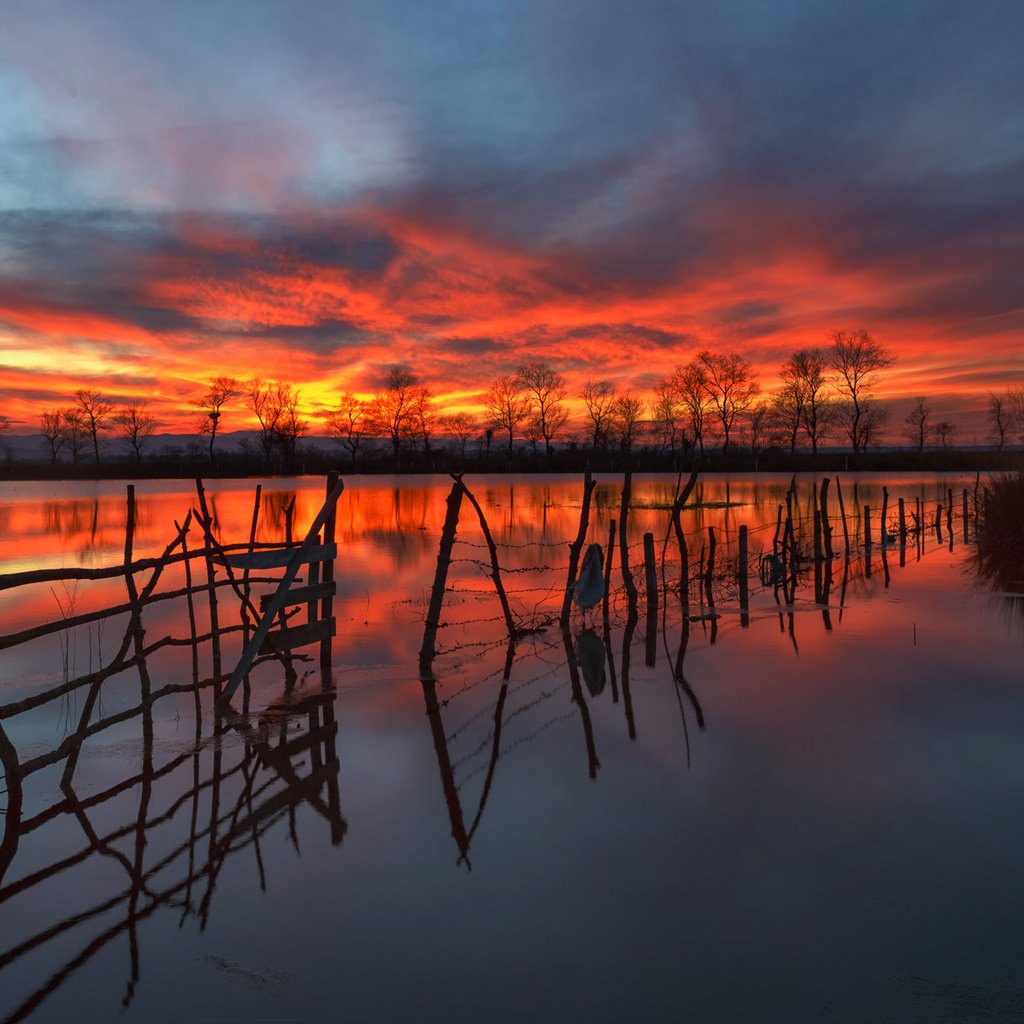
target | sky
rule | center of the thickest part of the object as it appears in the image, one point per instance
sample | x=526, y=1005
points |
x=315, y=192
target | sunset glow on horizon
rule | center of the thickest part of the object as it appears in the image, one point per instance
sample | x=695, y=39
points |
x=316, y=196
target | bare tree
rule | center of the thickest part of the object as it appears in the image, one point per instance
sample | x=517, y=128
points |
x=136, y=424
x=546, y=392
x=665, y=423
x=916, y=428
x=690, y=383
x=803, y=402
x=857, y=361
x=1015, y=405
x=74, y=433
x=787, y=410
x=730, y=384
x=460, y=427
x=394, y=411
x=506, y=407
x=289, y=426
x=599, y=399
x=220, y=391
x=424, y=419
x=259, y=399
x=51, y=426
x=944, y=432
x=998, y=414
x=347, y=423
x=759, y=417
x=626, y=416
x=95, y=411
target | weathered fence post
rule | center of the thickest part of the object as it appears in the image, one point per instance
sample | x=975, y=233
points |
x=575, y=548
x=842, y=513
x=742, y=568
x=444, y=559
x=867, y=526
x=651, y=580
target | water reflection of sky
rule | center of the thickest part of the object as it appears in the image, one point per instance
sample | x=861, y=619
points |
x=840, y=843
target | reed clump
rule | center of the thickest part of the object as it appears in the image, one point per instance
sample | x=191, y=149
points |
x=1001, y=531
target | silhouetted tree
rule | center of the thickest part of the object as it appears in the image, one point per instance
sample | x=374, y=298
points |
x=599, y=399
x=259, y=398
x=136, y=425
x=944, y=432
x=95, y=410
x=52, y=428
x=425, y=418
x=787, y=409
x=460, y=427
x=730, y=384
x=998, y=415
x=917, y=429
x=220, y=391
x=346, y=424
x=394, y=410
x=506, y=407
x=759, y=417
x=665, y=423
x=690, y=384
x=627, y=413
x=74, y=432
x=289, y=426
x=806, y=401
x=546, y=392
x=857, y=361
x=1015, y=406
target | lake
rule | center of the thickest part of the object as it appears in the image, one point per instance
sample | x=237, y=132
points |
x=795, y=799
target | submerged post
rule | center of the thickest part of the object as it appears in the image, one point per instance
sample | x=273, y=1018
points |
x=842, y=513
x=651, y=579
x=867, y=526
x=903, y=520
x=575, y=548
x=826, y=525
x=741, y=575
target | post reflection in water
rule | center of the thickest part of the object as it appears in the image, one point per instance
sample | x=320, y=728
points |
x=464, y=601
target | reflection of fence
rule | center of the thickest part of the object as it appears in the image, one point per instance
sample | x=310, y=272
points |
x=184, y=812
x=808, y=558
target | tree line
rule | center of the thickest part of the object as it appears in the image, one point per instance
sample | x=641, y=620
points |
x=824, y=393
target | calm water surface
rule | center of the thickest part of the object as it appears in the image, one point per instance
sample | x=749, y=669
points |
x=810, y=811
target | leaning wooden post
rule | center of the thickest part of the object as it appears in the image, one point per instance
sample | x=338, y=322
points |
x=650, y=573
x=710, y=574
x=444, y=559
x=510, y=622
x=842, y=513
x=651, y=578
x=867, y=526
x=938, y=521
x=964, y=513
x=826, y=524
x=885, y=512
x=741, y=574
x=627, y=575
x=949, y=511
x=903, y=520
x=215, y=657
x=575, y=548
x=327, y=573
x=819, y=554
